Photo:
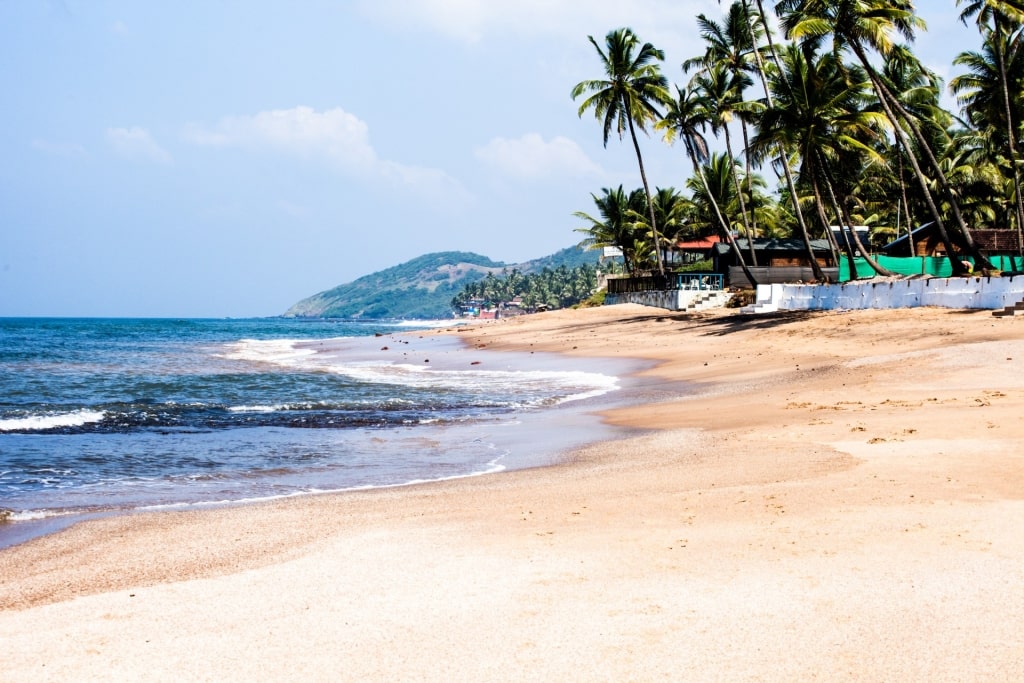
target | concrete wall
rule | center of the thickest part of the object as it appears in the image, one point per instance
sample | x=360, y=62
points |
x=668, y=300
x=673, y=300
x=969, y=292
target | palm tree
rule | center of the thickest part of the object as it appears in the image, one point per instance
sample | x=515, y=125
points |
x=984, y=95
x=616, y=226
x=996, y=20
x=974, y=162
x=730, y=46
x=685, y=119
x=722, y=93
x=918, y=89
x=763, y=70
x=819, y=112
x=627, y=98
x=672, y=210
x=868, y=25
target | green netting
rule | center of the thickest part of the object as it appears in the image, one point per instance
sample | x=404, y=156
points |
x=937, y=266
x=917, y=265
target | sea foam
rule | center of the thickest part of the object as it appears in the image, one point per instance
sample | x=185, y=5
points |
x=569, y=384
x=51, y=421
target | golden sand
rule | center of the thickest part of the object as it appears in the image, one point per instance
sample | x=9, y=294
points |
x=840, y=498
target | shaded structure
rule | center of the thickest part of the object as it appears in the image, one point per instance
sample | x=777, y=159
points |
x=782, y=260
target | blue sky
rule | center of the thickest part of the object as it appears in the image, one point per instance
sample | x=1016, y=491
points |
x=199, y=158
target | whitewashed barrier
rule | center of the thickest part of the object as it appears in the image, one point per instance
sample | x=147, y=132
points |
x=954, y=292
x=672, y=300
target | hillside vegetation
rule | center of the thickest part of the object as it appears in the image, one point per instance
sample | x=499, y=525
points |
x=423, y=288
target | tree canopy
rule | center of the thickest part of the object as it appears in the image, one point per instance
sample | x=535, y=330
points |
x=836, y=110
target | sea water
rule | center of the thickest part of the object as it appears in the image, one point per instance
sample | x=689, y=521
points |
x=115, y=414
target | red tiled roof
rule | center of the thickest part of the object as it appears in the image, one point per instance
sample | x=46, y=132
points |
x=702, y=243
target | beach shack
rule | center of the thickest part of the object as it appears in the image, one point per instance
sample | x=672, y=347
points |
x=778, y=261
x=688, y=252
x=1001, y=247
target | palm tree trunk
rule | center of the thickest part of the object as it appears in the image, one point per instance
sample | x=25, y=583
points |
x=1010, y=131
x=819, y=274
x=647, y=191
x=880, y=91
x=739, y=195
x=748, y=178
x=718, y=214
x=906, y=202
x=889, y=103
x=845, y=222
x=847, y=248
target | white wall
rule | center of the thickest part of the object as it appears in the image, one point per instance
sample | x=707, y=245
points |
x=969, y=292
x=675, y=300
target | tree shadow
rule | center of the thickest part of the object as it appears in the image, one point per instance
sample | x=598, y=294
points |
x=724, y=324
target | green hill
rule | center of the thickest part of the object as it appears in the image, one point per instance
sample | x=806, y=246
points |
x=420, y=289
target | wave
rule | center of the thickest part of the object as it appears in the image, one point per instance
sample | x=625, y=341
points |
x=492, y=466
x=525, y=387
x=77, y=418
x=35, y=515
x=282, y=352
x=429, y=324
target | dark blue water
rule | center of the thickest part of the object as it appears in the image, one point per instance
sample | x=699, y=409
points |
x=108, y=414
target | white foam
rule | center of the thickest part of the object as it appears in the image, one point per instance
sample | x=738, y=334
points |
x=275, y=351
x=430, y=324
x=52, y=421
x=290, y=354
x=257, y=409
x=586, y=384
x=32, y=515
x=493, y=466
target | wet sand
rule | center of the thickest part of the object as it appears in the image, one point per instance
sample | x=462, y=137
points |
x=839, y=496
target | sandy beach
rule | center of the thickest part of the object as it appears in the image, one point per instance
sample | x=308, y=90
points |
x=837, y=496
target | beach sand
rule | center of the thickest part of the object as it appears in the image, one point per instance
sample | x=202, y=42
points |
x=839, y=496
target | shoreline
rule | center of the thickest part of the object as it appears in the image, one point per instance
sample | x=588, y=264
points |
x=444, y=352
x=840, y=496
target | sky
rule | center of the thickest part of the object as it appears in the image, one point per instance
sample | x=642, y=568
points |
x=228, y=158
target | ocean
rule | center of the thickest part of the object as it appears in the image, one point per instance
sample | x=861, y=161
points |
x=101, y=415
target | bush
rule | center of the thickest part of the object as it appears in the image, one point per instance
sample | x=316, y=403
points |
x=741, y=298
x=596, y=299
x=704, y=266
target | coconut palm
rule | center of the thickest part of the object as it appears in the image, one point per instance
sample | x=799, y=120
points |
x=722, y=93
x=866, y=27
x=686, y=119
x=730, y=47
x=819, y=112
x=998, y=20
x=918, y=89
x=985, y=97
x=628, y=98
x=616, y=225
x=672, y=210
x=760, y=19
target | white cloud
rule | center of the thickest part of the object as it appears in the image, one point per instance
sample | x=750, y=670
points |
x=335, y=136
x=119, y=28
x=530, y=157
x=301, y=131
x=137, y=144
